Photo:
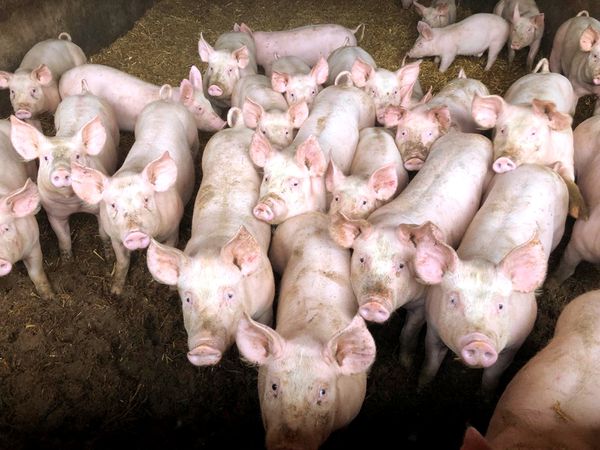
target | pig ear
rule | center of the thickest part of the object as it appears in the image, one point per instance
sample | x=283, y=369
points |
x=242, y=56
x=361, y=72
x=537, y=20
x=26, y=139
x=235, y=117
x=164, y=262
x=24, y=201
x=243, y=251
x=433, y=257
x=344, y=231
x=93, y=136
x=204, y=49
x=279, y=81
x=486, y=109
x=556, y=119
x=420, y=8
x=427, y=97
x=333, y=176
x=297, y=114
x=245, y=28
x=161, y=173
x=425, y=30
x=442, y=115
x=384, y=181
x=352, y=349
x=258, y=343
x=42, y=74
x=260, y=149
x=252, y=112
x=515, y=15
x=393, y=115
x=473, y=440
x=320, y=71
x=186, y=92
x=309, y=154
x=409, y=73
x=526, y=265
x=588, y=39
x=87, y=183
x=195, y=77
x=5, y=79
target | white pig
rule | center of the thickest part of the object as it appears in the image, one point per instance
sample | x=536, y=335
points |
x=34, y=85
x=267, y=111
x=145, y=198
x=471, y=36
x=313, y=367
x=446, y=191
x=343, y=58
x=87, y=133
x=482, y=303
x=440, y=14
x=552, y=401
x=297, y=80
x=224, y=271
x=128, y=95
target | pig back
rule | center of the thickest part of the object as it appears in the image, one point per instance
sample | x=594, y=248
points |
x=13, y=173
x=548, y=86
x=59, y=55
x=258, y=88
x=458, y=96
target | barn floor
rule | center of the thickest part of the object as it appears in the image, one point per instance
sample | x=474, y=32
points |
x=91, y=371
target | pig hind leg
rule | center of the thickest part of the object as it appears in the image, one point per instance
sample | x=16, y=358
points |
x=493, y=52
x=35, y=268
x=435, y=352
x=569, y=261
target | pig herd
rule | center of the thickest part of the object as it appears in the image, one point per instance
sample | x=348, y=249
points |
x=380, y=196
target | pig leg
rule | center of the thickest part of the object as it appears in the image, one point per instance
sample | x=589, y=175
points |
x=511, y=57
x=34, y=263
x=493, y=52
x=106, y=245
x=491, y=375
x=533, y=50
x=123, y=257
x=569, y=261
x=409, y=337
x=435, y=352
x=446, y=60
x=60, y=226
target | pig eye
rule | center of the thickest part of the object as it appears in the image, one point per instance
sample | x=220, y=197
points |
x=264, y=131
x=146, y=199
x=200, y=109
x=400, y=266
x=266, y=178
x=113, y=205
x=292, y=95
x=322, y=395
x=395, y=91
x=33, y=91
x=500, y=306
x=362, y=259
x=337, y=198
x=502, y=130
x=403, y=133
x=287, y=132
x=313, y=92
x=46, y=158
x=453, y=299
x=77, y=156
x=187, y=299
x=533, y=132
x=430, y=133
x=364, y=203
x=5, y=228
x=12, y=94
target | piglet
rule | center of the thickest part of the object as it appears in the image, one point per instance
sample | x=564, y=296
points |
x=482, y=301
x=440, y=14
x=471, y=36
x=313, y=367
x=145, y=198
x=297, y=80
x=19, y=232
x=552, y=401
x=34, y=85
x=224, y=271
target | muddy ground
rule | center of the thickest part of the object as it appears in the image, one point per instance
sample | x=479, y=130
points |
x=91, y=371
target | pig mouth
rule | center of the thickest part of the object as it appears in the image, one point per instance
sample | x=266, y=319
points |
x=204, y=355
x=23, y=114
x=5, y=267
x=375, y=309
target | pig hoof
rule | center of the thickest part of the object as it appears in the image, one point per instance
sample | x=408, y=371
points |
x=109, y=255
x=46, y=293
x=406, y=361
x=66, y=255
x=116, y=290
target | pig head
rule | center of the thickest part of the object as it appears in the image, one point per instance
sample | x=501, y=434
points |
x=31, y=92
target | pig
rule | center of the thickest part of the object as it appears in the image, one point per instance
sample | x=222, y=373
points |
x=266, y=110
x=86, y=132
x=446, y=191
x=297, y=80
x=294, y=178
x=309, y=43
x=128, y=95
x=145, y=198
x=19, y=232
x=376, y=177
x=233, y=57
x=440, y=14
x=583, y=244
x=313, y=367
x=343, y=59
x=526, y=27
x=419, y=127
x=34, y=85
x=485, y=32
x=224, y=271
x=552, y=400
x=576, y=53
x=481, y=303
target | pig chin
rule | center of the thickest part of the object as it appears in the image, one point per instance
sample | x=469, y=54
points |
x=5, y=267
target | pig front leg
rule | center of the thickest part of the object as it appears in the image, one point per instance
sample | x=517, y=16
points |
x=106, y=244
x=60, y=226
x=445, y=60
x=511, y=57
x=435, y=352
x=34, y=263
x=409, y=336
x=533, y=50
x=123, y=257
x=491, y=375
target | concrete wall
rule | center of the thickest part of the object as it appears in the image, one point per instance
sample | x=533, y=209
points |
x=93, y=24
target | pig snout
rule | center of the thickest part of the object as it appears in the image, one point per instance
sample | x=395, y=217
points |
x=61, y=178
x=204, y=355
x=5, y=267
x=136, y=240
x=216, y=122
x=414, y=163
x=596, y=80
x=375, y=309
x=268, y=209
x=215, y=90
x=478, y=351
x=503, y=164
x=23, y=113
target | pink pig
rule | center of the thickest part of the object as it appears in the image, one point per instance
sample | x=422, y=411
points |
x=376, y=177
x=34, y=86
x=145, y=198
x=343, y=59
x=440, y=14
x=446, y=191
x=482, y=303
x=294, y=178
x=267, y=111
x=128, y=95
x=552, y=401
x=471, y=36
x=313, y=367
x=19, y=232
x=297, y=80
x=87, y=133
x=419, y=127
x=224, y=271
